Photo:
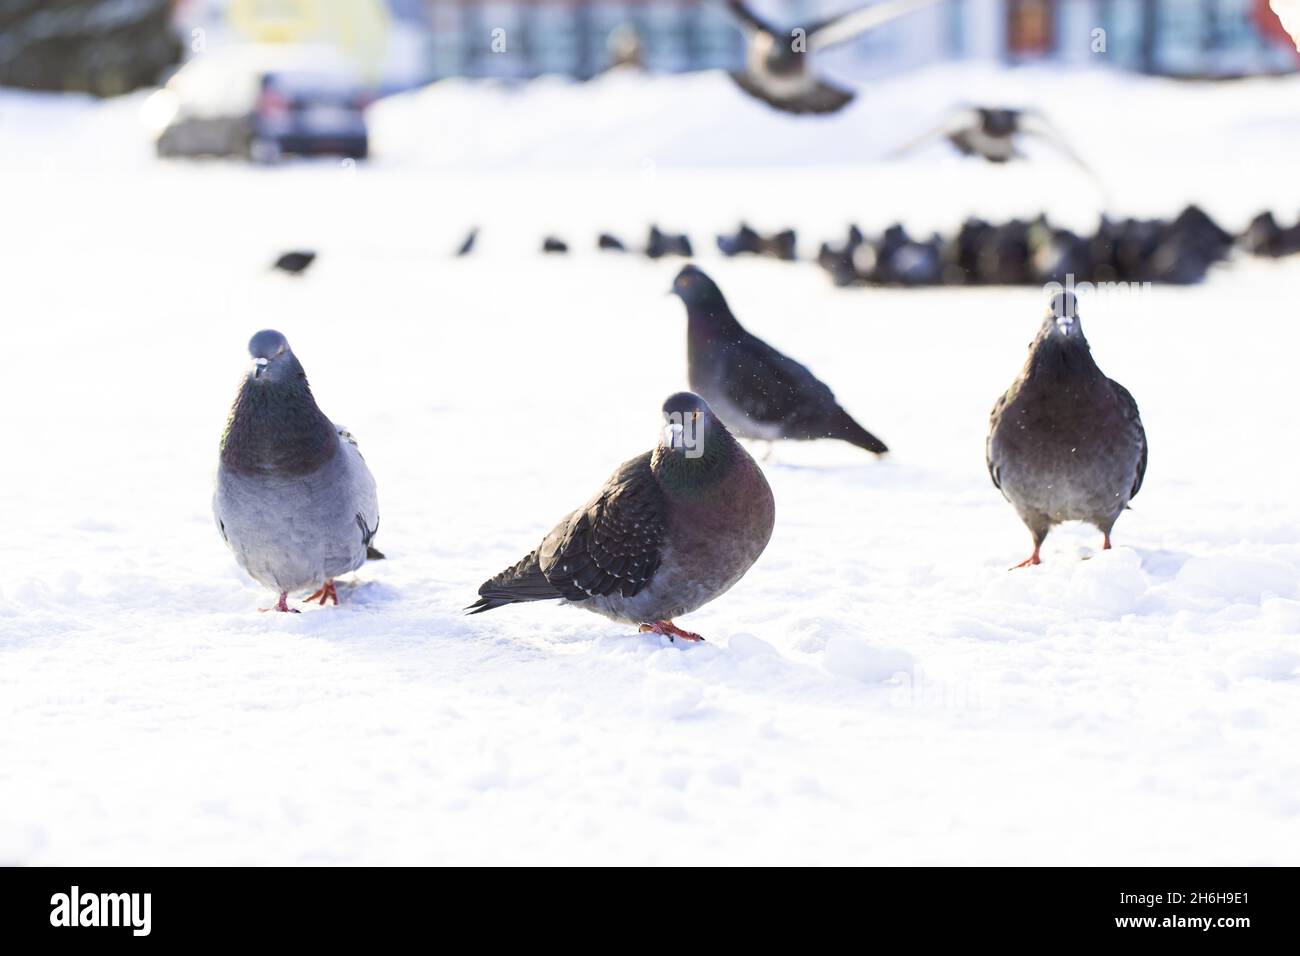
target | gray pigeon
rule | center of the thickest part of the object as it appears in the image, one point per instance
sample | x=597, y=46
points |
x=670, y=531
x=1066, y=442
x=777, y=69
x=757, y=391
x=295, y=500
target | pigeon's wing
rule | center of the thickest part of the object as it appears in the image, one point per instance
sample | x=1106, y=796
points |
x=822, y=97
x=749, y=21
x=995, y=416
x=773, y=388
x=1036, y=124
x=846, y=26
x=1130, y=407
x=362, y=492
x=614, y=543
x=964, y=119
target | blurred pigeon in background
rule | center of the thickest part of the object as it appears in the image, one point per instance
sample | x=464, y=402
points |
x=670, y=531
x=756, y=390
x=294, y=500
x=660, y=244
x=778, y=68
x=295, y=262
x=467, y=246
x=1065, y=442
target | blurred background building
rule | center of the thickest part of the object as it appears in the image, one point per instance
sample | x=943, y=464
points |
x=110, y=46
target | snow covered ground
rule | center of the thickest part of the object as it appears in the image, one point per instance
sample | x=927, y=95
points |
x=878, y=689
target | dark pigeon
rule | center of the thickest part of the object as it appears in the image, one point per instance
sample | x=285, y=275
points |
x=747, y=241
x=670, y=531
x=756, y=390
x=744, y=240
x=1065, y=442
x=294, y=501
x=612, y=243
x=467, y=246
x=551, y=244
x=1264, y=237
x=660, y=244
x=296, y=262
x=902, y=260
x=838, y=260
x=778, y=60
x=1055, y=254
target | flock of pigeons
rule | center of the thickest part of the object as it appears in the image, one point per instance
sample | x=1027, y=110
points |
x=675, y=527
x=1180, y=251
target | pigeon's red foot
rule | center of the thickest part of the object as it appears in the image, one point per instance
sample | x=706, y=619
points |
x=326, y=593
x=669, y=629
x=282, y=606
x=1028, y=562
x=1105, y=542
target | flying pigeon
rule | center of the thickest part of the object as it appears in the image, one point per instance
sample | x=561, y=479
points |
x=778, y=70
x=994, y=134
x=552, y=244
x=294, y=500
x=295, y=263
x=1065, y=442
x=756, y=390
x=670, y=531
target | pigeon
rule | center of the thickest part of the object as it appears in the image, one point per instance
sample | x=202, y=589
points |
x=612, y=243
x=671, y=530
x=551, y=244
x=993, y=134
x=467, y=246
x=838, y=260
x=1264, y=237
x=295, y=263
x=660, y=244
x=902, y=260
x=746, y=240
x=294, y=499
x=777, y=62
x=1065, y=442
x=757, y=391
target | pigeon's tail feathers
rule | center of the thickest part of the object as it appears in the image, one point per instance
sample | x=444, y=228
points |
x=517, y=584
x=844, y=427
x=374, y=554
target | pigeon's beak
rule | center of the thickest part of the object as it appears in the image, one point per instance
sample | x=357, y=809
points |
x=1065, y=325
x=259, y=366
x=673, y=435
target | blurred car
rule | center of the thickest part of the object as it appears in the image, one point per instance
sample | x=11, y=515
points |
x=262, y=102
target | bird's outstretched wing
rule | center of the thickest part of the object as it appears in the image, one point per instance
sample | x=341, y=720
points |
x=822, y=98
x=1129, y=404
x=749, y=21
x=1035, y=123
x=846, y=26
x=958, y=121
x=613, y=543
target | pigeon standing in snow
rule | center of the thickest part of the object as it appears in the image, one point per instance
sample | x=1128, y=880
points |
x=295, y=500
x=1066, y=442
x=670, y=531
x=778, y=70
x=295, y=263
x=756, y=390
